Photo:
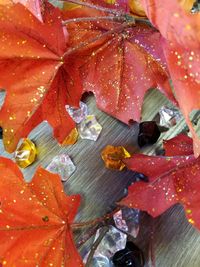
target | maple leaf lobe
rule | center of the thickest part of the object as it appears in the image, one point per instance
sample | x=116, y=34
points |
x=36, y=218
x=181, y=45
x=173, y=179
x=40, y=78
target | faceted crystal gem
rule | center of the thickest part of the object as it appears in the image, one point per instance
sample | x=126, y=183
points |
x=89, y=128
x=101, y=262
x=1, y=133
x=168, y=117
x=78, y=114
x=25, y=154
x=131, y=256
x=62, y=165
x=148, y=133
x=127, y=220
x=113, y=155
x=113, y=241
x=72, y=138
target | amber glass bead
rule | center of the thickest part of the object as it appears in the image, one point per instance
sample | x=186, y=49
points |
x=113, y=156
x=26, y=153
x=71, y=139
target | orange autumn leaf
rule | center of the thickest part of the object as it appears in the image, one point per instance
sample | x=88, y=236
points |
x=33, y=5
x=35, y=73
x=181, y=44
x=35, y=220
x=6, y=2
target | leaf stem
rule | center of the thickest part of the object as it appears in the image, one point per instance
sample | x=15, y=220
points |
x=122, y=18
x=104, y=219
x=98, y=37
x=95, y=245
x=112, y=18
x=100, y=8
x=86, y=236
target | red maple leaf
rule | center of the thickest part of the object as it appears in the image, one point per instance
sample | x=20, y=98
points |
x=125, y=62
x=181, y=44
x=35, y=220
x=174, y=178
x=35, y=74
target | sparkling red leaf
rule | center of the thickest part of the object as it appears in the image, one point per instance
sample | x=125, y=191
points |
x=181, y=43
x=174, y=178
x=125, y=62
x=35, y=220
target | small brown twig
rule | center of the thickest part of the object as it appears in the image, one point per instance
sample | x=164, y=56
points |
x=86, y=236
x=85, y=19
x=89, y=5
x=98, y=221
x=98, y=37
x=122, y=18
x=103, y=231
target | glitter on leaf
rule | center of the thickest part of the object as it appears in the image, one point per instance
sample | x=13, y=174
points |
x=173, y=178
x=36, y=77
x=35, y=219
x=181, y=45
x=111, y=69
x=34, y=6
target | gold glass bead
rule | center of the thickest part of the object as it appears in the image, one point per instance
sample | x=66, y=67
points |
x=71, y=139
x=25, y=154
x=112, y=157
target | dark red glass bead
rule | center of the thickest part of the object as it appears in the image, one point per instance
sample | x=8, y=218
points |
x=148, y=133
x=131, y=256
